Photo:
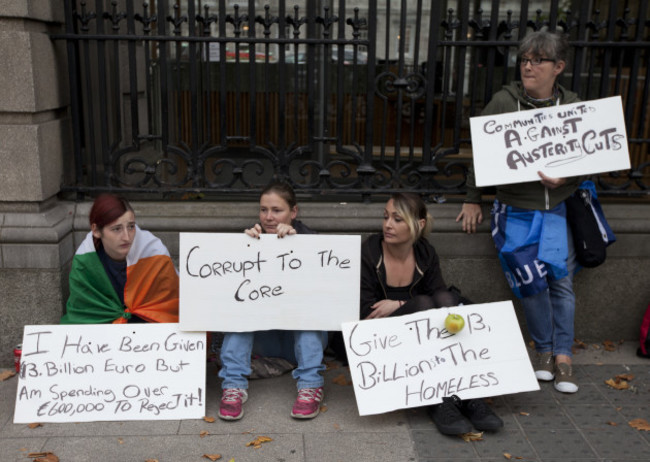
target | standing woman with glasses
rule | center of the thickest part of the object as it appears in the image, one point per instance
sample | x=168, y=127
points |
x=529, y=224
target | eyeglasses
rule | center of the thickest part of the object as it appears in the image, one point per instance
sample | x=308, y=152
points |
x=534, y=61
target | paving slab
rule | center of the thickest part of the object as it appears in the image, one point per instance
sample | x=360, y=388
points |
x=540, y=426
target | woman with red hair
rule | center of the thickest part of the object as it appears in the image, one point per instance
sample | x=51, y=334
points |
x=120, y=273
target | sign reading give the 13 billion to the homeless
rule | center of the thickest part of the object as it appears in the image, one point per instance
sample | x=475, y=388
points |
x=560, y=141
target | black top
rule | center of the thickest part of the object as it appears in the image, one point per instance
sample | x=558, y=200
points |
x=116, y=272
x=427, y=278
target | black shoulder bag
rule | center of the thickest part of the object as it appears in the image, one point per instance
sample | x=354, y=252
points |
x=589, y=233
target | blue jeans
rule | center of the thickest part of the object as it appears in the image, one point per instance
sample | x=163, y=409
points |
x=302, y=347
x=550, y=313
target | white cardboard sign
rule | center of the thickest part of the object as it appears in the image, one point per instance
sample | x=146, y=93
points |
x=560, y=141
x=410, y=361
x=235, y=283
x=102, y=372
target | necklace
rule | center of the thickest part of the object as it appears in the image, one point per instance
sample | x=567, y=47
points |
x=544, y=102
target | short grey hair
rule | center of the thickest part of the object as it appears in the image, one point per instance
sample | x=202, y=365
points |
x=552, y=45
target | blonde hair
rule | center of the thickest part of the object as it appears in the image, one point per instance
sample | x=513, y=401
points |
x=412, y=209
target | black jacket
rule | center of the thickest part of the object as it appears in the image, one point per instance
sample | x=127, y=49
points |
x=426, y=280
x=302, y=228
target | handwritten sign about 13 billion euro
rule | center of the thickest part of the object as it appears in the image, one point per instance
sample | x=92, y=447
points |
x=235, y=283
x=91, y=372
x=410, y=361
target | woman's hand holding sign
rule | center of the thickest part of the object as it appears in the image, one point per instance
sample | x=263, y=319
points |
x=549, y=182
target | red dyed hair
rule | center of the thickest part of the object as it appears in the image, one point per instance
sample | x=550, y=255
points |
x=105, y=210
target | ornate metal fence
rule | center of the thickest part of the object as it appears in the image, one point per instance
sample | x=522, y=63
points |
x=178, y=97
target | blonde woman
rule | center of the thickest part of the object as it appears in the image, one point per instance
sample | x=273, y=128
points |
x=400, y=274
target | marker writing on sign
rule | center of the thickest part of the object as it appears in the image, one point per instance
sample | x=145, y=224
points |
x=426, y=392
x=221, y=268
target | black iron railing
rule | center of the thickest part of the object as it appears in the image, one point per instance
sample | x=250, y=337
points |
x=352, y=98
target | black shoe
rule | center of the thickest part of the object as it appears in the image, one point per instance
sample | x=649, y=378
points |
x=480, y=414
x=448, y=418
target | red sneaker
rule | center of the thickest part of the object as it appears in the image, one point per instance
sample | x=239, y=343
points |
x=307, y=405
x=232, y=400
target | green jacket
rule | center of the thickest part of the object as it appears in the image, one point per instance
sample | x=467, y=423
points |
x=532, y=195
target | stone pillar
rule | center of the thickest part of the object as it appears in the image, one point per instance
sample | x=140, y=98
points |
x=35, y=229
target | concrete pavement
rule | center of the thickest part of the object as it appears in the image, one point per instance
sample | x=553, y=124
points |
x=589, y=426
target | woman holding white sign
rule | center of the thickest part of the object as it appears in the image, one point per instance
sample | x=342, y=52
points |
x=529, y=224
x=278, y=212
x=400, y=274
x=120, y=273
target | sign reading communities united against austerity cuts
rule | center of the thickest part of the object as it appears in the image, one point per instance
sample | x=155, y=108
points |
x=410, y=361
x=560, y=141
x=235, y=283
x=100, y=372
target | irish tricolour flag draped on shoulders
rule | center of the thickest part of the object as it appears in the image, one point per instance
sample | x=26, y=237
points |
x=150, y=292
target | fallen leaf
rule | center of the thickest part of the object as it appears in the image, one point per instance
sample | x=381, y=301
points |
x=471, y=436
x=640, y=424
x=204, y=433
x=213, y=457
x=120, y=440
x=336, y=426
x=580, y=344
x=524, y=413
x=151, y=460
x=7, y=374
x=609, y=345
x=209, y=419
x=34, y=425
x=48, y=458
x=341, y=380
x=323, y=408
x=618, y=384
x=257, y=442
x=330, y=365
x=43, y=457
x=613, y=424
x=627, y=377
x=507, y=455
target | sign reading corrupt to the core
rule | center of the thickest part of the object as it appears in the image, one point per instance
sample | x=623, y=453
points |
x=235, y=283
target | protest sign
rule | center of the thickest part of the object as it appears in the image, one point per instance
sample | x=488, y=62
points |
x=410, y=361
x=560, y=141
x=235, y=283
x=93, y=372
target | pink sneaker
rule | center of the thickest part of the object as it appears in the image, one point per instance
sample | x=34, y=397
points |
x=232, y=400
x=307, y=404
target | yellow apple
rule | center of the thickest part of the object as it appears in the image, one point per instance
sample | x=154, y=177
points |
x=454, y=323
